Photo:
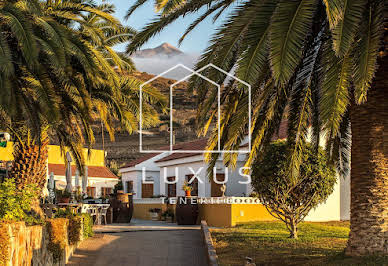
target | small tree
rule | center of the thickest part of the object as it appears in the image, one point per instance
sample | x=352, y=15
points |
x=288, y=201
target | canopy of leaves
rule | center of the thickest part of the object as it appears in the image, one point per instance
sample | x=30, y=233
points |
x=285, y=200
x=306, y=61
x=58, y=69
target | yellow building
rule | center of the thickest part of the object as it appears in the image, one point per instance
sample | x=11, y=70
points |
x=100, y=179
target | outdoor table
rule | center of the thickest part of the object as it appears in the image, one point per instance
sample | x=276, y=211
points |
x=95, y=210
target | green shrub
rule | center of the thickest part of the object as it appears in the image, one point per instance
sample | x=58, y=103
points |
x=64, y=213
x=289, y=201
x=74, y=230
x=4, y=244
x=75, y=224
x=58, y=230
x=15, y=205
x=88, y=225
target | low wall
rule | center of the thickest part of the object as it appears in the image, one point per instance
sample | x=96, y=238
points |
x=227, y=215
x=141, y=207
x=141, y=211
x=245, y=213
x=211, y=255
x=219, y=215
x=33, y=245
x=27, y=245
x=233, y=211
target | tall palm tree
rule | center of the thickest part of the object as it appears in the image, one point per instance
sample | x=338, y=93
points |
x=318, y=63
x=53, y=74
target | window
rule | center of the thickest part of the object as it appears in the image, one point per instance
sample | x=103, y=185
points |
x=147, y=190
x=194, y=184
x=91, y=191
x=129, y=186
x=105, y=191
x=171, y=188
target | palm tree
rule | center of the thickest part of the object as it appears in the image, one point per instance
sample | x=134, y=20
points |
x=54, y=75
x=317, y=63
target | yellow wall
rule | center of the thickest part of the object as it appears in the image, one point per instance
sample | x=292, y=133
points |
x=141, y=211
x=218, y=215
x=6, y=153
x=96, y=156
x=244, y=213
x=227, y=215
x=54, y=155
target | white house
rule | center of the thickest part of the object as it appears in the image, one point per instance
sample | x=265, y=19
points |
x=160, y=171
x=153, y=175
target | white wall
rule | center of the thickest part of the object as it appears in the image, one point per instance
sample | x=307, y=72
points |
x=329, y=210
x=345, y=198
x=233, y=188
x=183, y=170
x=96, y=182
x=135, y=174
x=136, y=177
x=130, y=176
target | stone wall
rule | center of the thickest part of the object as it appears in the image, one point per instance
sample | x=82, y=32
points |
x=28, y=245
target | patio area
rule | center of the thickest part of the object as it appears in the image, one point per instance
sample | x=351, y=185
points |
x=142, y=243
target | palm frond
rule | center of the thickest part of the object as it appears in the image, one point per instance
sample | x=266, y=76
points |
x=366, y=51
x=346, y=28
x=300, y=111
x=133, y=8
x=290, y=25
x=335, y=92
x=162, y=21
x=255, y=58
x=334, y=11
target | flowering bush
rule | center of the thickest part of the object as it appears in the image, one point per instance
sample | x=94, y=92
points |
x=15, y=205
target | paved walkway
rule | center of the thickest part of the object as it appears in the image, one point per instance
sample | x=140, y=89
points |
x=142, y=225
x=142, y=243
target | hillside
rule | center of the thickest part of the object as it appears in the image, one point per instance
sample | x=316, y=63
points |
x=126, y=147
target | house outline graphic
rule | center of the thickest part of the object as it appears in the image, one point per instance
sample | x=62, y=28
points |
x=197, y=73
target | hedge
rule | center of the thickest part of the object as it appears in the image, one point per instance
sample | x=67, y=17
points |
x=57, y=229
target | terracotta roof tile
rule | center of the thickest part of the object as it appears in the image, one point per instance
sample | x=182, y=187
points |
x=134, y=162
x=198, y=145
x=192, y=145
x=93, y=171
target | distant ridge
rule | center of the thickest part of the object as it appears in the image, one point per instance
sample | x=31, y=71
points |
x=164, y=49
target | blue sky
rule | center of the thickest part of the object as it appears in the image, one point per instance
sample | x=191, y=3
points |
x=196, y=42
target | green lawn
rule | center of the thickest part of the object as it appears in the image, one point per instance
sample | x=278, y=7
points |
x=268, y=244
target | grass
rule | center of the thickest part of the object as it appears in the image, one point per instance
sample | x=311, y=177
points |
x=267, y=243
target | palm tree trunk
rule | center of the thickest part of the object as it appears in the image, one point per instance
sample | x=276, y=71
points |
x=369, y=170
x=29, y=165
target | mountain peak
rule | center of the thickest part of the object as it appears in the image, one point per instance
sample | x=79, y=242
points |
x=166, y=45
x=165, y=49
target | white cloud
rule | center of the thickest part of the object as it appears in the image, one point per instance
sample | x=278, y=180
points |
x=158, y=64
